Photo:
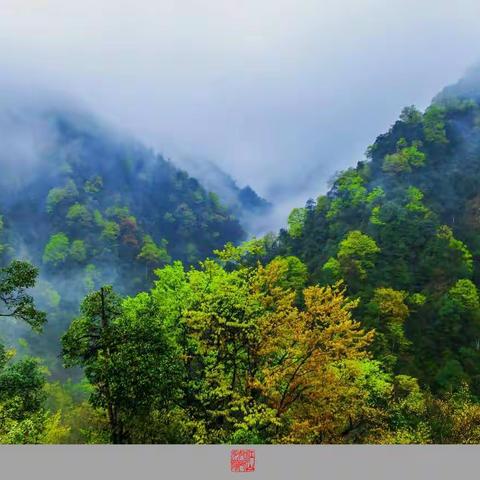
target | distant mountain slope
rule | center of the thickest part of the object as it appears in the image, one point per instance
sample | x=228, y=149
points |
x=244, y=202
x=109, y=197
x=402, y=230
x=466, y=88
x=89, y=205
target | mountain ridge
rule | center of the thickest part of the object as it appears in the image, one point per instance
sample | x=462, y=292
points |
x=401, y=229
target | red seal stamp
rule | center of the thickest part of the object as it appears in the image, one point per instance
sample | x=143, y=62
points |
x=242, y=461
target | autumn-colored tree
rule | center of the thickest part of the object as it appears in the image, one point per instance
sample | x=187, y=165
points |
x=307, y=361
x=455, y=418
x=260, y=367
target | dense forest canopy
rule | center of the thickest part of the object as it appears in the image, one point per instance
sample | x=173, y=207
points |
x=401, y=230
x=359, y=323
x=90, y=206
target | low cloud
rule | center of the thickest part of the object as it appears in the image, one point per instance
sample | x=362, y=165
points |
x=280, y=94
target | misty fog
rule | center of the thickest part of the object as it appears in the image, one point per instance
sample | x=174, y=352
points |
x=280, y=94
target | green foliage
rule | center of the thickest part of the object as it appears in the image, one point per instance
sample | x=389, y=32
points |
x=75, y=421
x=224, y=354
x=350, y=191
x=94, y=185
x=111, y=231
x=376, y=194
x=78, y=251
x=405, y=159
x=459, y=314
x=127, y=357
x=358, y=324
x=21, y=385
x=332, y=270
x=352, y=184
x=78, y=214
x=388, y=313
x=411, y=115
x=248, y=252
x=98, y=218
x=292, y=273
x=446, y=258
x=401, y=231
x=450, y=375
x=296, y=220
x=462, y=299
x=455, y=418
x=434, y=125
x=356, y=256
x=408, y=412
x=58, y=196
x=415, y=201
x=22, y=418
x=57, y=249
x=105, y=220
x=15, y=280
x=153, y=254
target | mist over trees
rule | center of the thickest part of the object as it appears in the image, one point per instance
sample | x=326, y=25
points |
x=357, y=323
x=89, y=205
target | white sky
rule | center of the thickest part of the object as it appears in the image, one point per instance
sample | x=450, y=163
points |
x=279, y=93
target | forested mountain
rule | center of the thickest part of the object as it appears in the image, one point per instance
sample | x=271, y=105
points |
x=359, y=323
x=89, y=205
x=109, y=197
x=251, y=210
x=401, y=229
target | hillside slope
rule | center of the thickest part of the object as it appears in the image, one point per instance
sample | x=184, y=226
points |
x=89, y=206
x=63, y=172
x=402, y=230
